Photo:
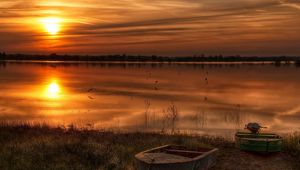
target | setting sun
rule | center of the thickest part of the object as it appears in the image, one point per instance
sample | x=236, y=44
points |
x=51, y=25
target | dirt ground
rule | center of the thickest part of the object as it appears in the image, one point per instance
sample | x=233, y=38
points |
x=234, y=159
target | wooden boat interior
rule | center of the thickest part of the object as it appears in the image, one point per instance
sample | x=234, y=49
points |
x=181, y=151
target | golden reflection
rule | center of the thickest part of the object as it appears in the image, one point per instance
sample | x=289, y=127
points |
x=53, y=90
x=52, y=25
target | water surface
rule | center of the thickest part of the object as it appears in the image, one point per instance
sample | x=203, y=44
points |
x=209, y=98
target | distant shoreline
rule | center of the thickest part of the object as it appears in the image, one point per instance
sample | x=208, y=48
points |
x=150, y=59
x=136, y=62
x=54, y=63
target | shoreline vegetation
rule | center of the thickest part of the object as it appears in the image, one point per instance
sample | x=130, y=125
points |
x=150, y=58
x=39, y=146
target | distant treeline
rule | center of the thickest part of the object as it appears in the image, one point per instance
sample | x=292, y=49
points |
x=153, y=58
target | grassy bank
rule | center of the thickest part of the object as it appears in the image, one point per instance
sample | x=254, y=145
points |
x=43, y=147
x=291, y=144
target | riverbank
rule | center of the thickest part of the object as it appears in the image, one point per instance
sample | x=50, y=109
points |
x=151, y=58
x=43, y=147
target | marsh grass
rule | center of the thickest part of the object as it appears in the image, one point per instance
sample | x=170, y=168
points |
x=291, y=144
x=39, y=146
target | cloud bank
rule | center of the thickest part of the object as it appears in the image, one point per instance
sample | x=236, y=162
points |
x=185, y=27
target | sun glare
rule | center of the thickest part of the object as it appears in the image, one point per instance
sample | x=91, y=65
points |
x=53, y=90
x=51, y=25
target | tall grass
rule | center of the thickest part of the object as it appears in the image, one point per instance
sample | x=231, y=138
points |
x=38, y=146
x=291, y=144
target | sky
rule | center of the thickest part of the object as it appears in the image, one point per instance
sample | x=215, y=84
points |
x=160, y=27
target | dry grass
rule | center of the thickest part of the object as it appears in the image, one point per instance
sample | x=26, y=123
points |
x=291, y=144
x=25, y=146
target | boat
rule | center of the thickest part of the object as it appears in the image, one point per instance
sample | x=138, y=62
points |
x=258, y=142
x=172, y=157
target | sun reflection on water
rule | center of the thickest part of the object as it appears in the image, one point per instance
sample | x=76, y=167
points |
x=53, y=90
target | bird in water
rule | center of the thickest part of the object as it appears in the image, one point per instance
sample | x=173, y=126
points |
x=90, y=90
x=254, y=127
x=90, y=97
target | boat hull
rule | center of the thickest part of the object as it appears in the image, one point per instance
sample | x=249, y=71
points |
x=267, y=143
x=202, y=162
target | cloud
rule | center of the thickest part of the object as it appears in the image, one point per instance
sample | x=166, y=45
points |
x=207, y=25
x=291, y=3
x=292, y=111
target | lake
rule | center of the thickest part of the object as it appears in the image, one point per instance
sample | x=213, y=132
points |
x=188, y=97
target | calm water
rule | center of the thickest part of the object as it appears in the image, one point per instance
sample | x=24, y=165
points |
x=213, y=98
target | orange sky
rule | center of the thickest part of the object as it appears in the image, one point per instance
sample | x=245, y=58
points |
x=163, y=27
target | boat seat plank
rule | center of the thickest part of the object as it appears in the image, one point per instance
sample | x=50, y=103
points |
x=261, y=139
x=183, y=151
x=162, y=158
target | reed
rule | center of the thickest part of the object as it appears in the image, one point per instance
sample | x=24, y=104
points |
x=291, y=144
x=40, y=146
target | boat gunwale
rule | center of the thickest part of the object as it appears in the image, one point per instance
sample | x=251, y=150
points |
x=258, y=135
x=263, y=139
x=179, y=162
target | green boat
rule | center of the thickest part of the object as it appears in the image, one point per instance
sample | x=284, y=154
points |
x=258, y=142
